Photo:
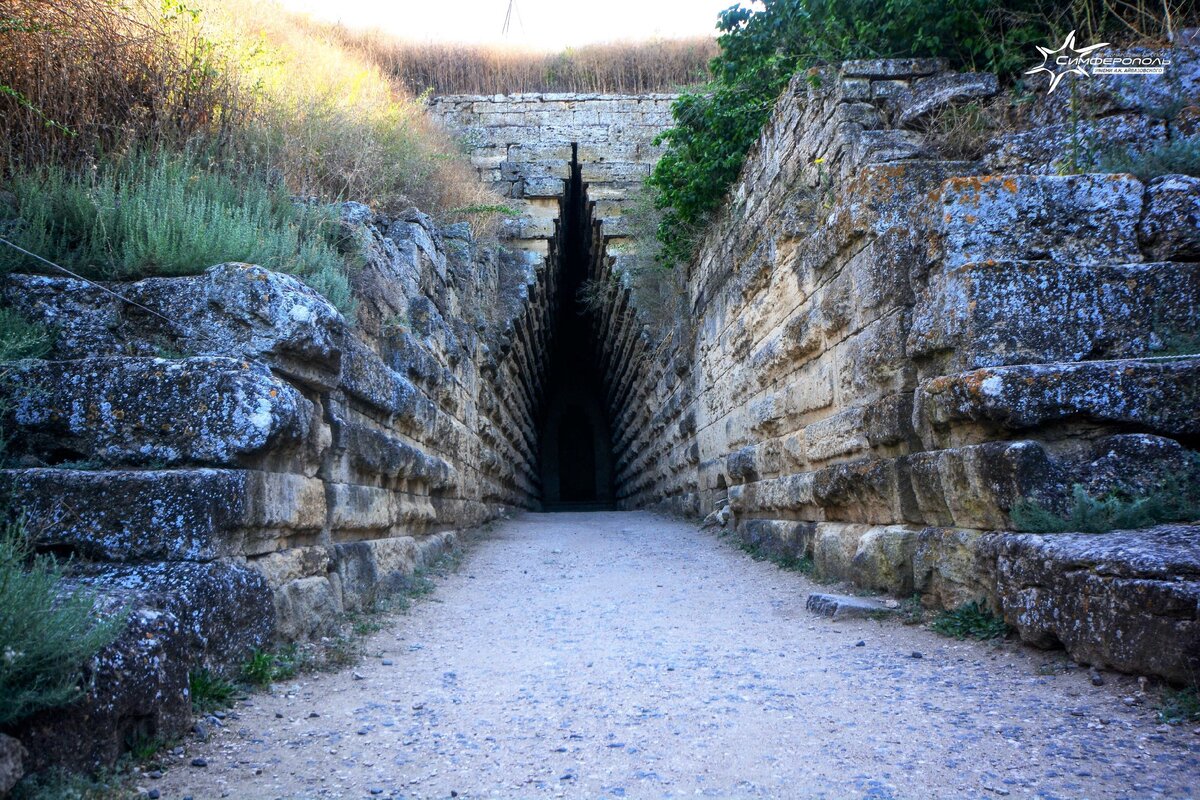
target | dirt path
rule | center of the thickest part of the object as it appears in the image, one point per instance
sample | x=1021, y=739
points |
x=625, y=655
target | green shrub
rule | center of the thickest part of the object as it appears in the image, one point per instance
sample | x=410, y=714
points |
x=761, y=49
x=20, y=338
x=1173, y=501
x=169, y=215
x=1181, y=156
x=210, y=691
x=970, y=620
x=47, y=635
x=1179, y=706
x=264, y=668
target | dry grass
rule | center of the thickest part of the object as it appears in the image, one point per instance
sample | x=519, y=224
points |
x=447, y=68
x=249, y=85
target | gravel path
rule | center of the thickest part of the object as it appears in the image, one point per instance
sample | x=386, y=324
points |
x=626, y=655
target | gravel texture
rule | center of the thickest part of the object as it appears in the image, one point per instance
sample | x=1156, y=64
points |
x=628, y=655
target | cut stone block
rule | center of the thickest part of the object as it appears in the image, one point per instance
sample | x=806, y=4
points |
x=142, y=411
x=840, y=606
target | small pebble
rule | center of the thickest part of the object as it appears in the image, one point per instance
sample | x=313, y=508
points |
x=860, y=643
x=313, y=715
x=1097, y=678
x=199, y=761
x=916, y=654
x=387, y=662
x=153, y=794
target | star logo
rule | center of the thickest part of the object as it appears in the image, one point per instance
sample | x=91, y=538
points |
x=1063, y=61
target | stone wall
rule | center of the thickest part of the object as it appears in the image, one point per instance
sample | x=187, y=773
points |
x=523, y=146
x=229, y=457
x=889, y=349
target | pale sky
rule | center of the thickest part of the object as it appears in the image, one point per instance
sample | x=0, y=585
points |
x=543, y=24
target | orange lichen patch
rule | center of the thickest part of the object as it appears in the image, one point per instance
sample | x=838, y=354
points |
x=273, y=393
x=1010, y=184
x=119, y=414
x=970, y=219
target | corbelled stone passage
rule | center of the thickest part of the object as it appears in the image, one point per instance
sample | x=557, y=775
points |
x=576, y=443
x=890, y=358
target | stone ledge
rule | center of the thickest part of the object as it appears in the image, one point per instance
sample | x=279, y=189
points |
x=1161, y=395
x=176, y=515
x=140, y=411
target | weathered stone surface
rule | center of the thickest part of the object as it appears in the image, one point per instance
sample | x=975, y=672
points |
x=306, y=608
x=1129, y=600
x=1161, y=395
x=950, y=568
x=995, y=313
x=1170, y=227
x=223, y=608
x=181, y=615
x=190, y=514
x=892, y=67
x=1077, y=219
x=840, y=606
x=372, y=570
x=778, y=538
x=137, y=686
x=883, y=559
x=935, y=93
x=12, y=763
x=204, y=410
x=233, y=309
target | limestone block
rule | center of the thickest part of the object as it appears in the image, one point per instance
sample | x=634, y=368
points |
x=883, y=559
x=1161, y=395
x=192, y=514
x=139, y=681
x=892, y=67
x=950, y=568
x=843, y=606
x=1170, y=228
x=996, y=313
x=359, y=508
x=233, y=309
x=1129, y=600
x=842, y=434
x=372, y=570
x=203, y=410
x=834, y=546
x=778, y=538
x=306, y=608
x=928, y=95
x=1076, y=219
x=285, y=566
x=376, y=452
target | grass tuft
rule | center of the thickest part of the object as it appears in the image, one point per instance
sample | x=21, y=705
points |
x=971, y=620
x=1179, y=706
x=1174, y=500
x=1178, y=157
x=210, y=691
x=20, y=338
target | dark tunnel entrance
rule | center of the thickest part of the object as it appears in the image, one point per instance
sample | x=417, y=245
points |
x=575, y=441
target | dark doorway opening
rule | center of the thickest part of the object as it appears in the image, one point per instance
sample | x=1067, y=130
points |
x=575, y=441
